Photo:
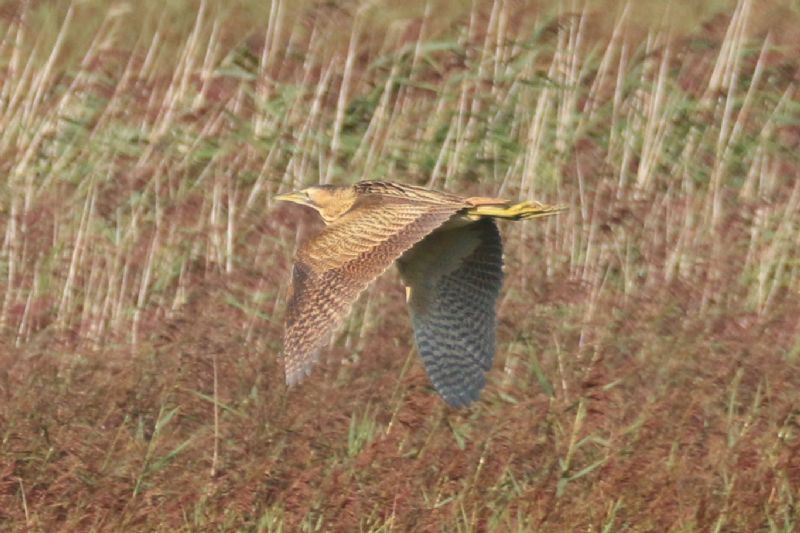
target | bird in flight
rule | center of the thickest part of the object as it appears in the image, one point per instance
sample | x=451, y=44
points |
x=450, y=257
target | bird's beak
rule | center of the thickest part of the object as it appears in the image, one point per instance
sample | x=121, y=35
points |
x=297, y=197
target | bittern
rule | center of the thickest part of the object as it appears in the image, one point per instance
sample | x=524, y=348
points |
x=450, y=258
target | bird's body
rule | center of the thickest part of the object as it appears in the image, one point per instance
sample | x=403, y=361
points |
x=449, y=254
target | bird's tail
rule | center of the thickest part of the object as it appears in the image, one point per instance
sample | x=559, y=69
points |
x=520, y=211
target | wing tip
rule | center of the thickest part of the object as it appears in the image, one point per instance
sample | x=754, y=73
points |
x=462, y=396
x=464, y=391
x=462, y=400
x=296, y=371
x=295, y=377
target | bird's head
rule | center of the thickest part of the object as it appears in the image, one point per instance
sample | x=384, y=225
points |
x=331, y=201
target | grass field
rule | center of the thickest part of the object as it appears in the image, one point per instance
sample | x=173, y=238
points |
x=648, y=367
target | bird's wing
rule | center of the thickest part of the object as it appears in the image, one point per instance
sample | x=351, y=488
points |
x=332, y=269
x=454, y=277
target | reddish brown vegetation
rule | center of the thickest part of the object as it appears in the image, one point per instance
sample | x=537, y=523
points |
x=647, y=374
x=657, y=391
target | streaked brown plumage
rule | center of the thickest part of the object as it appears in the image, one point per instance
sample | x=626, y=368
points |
x=450, y=258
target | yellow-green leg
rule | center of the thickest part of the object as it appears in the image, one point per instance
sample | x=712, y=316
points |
x=520, y=211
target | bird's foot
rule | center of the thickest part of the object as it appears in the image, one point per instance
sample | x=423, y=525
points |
x=520, y=211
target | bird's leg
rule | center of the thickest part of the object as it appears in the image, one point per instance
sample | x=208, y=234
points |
x=519, y=211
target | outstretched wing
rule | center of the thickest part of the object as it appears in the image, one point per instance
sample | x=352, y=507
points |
x=332, y=269
x=454, y=277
